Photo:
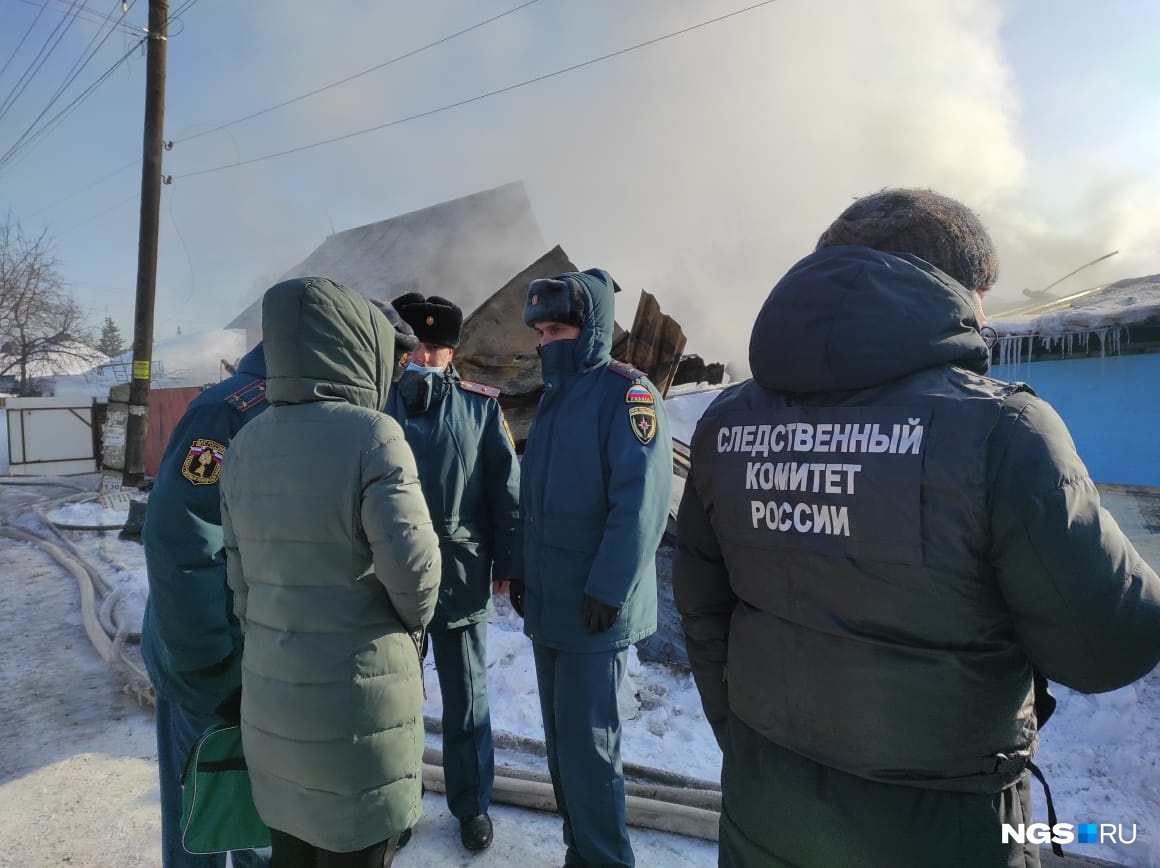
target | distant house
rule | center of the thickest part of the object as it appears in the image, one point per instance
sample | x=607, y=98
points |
x=1095, y=356
x=462, y=249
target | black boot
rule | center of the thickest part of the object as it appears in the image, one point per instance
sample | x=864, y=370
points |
x=476, y=832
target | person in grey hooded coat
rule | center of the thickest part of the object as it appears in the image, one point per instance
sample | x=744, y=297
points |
x=335, y=568
x=880, y=548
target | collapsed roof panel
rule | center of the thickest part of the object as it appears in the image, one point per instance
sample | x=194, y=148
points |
x=462, y=249
x=497, y=348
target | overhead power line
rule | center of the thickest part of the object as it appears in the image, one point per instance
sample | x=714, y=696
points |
x=23, y=38
x=396, y=122
x=134, y=198
x=349, y=78
x=42, y=57
x=90, y=16
x=185, y=7
x=30, y=134
x=27, y=140
x=81, y=62
x=28, y=137
x=89, y=186
x=477, y=98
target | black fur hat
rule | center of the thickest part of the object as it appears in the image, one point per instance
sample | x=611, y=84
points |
x=435, y=320
x=944, y=232
x=559, y=299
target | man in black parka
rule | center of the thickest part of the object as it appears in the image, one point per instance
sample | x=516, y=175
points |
x=878, y=546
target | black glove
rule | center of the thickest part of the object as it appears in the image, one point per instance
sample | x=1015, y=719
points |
x=598, y=615
x=230, y=708
x=516, y=595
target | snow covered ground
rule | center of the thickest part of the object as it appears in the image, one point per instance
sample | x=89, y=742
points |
x=78, y=765
x=80, y=772
x=665, y=727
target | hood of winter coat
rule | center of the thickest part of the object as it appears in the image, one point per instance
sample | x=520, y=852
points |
x=847, y=318
x=253, y=363
x=325, y=342
x=595, y=341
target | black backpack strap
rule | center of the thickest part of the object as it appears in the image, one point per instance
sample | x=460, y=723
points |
x=1044, y=700
x=1051, y=817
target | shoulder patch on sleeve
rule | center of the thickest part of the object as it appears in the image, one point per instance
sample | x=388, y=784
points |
x=203, y=461
x=625, y=370
x=638, y=394
x=643, y=422
x=248, y=396
x=479, y=388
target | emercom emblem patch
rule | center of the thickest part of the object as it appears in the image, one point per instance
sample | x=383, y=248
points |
x=203, y=462
x=643, y=422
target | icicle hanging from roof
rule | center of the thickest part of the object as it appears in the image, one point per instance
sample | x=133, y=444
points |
x=1013, y=349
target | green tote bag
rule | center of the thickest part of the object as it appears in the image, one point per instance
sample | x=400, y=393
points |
x=217, y=807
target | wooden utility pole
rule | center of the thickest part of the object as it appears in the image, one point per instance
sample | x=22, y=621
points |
x=134, y=471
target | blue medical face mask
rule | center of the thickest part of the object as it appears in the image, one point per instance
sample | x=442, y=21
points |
x=417, y=387
x=411, y=366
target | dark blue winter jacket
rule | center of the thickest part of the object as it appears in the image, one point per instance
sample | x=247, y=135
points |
x=190, y=639
x=878, y=545
x=471, y=482
x=596, y=482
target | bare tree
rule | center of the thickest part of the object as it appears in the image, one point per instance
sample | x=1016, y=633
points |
x=41, y=324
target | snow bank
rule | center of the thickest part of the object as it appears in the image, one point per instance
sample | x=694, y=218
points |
x=184, y=360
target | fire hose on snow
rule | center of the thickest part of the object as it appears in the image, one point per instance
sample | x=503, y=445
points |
x=646, y=806
x=106, y=631
x=654, y=799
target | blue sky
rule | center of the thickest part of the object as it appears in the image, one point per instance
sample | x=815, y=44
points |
x=700, y=168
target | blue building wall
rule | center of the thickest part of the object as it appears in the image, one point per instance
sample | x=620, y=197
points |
x=1112, y=407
